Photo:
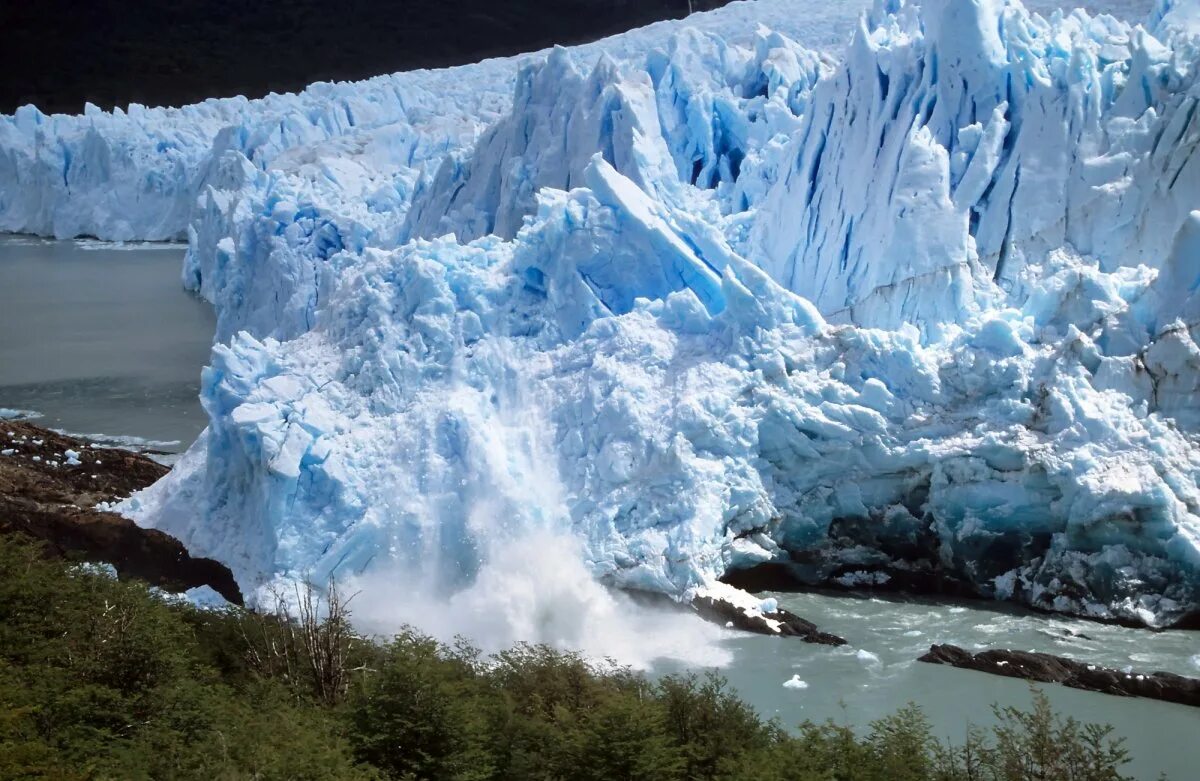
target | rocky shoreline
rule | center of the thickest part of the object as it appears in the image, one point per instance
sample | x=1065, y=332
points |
x=50, y=487
x=929, y=581
x=1047, y=668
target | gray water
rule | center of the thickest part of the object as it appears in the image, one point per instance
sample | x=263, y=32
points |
x=877, y=673
x=102, y=340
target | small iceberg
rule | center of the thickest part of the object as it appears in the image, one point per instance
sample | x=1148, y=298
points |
x=795, y=683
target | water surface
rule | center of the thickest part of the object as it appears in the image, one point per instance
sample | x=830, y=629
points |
x=101, y=339
x=877, y=673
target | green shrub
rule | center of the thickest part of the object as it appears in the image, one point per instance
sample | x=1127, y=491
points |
x=1036, y=744
x=415, y=714
x=103, y=679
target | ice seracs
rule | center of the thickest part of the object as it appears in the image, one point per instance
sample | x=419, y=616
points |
x=961, y=140
x=924, y=312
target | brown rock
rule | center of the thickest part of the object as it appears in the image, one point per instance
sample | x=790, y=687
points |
x=1047, y=668
x=790, y=624
x=44, y=497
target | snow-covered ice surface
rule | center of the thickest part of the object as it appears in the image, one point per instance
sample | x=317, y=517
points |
x=694, y=298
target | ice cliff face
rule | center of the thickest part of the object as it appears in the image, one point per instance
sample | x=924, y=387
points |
x=987, y=138
x=708, y=301
x=692, y=113
x=137, y=174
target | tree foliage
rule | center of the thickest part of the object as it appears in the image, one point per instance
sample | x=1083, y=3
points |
x=105, y=679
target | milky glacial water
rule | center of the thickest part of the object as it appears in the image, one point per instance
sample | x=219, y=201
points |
x=101, y=339
x=877, y=672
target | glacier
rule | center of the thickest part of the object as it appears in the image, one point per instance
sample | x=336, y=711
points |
x=699, y=298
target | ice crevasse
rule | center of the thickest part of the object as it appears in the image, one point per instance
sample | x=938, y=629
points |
x=926, y=310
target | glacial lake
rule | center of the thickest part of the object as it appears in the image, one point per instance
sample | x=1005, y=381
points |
x=104, y=340
x=877, y=672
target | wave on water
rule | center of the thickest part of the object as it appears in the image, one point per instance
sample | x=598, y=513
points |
x=156, y=449
x=122, y=442
x=24, y=240
x=18, y=414
x=92, y=245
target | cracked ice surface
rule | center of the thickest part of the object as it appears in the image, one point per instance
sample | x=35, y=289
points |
x=697, y=299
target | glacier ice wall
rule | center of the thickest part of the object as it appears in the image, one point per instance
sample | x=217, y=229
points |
x=986, y=137
x=719, y=424
x=697, y=300
x=692, y=113
x=136, y=174
x=627, y=362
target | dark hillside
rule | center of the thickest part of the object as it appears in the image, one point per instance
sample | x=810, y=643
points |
x=57, y=54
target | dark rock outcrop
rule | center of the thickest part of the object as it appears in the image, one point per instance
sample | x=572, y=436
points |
x=774, y=576
x=1046, y=668
x=917, y=579
x=720, y=611
x=45, y=495
x=780, y=622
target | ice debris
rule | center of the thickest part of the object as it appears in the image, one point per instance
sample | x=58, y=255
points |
x=795, y=683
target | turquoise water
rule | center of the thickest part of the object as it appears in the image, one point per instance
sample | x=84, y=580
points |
x=877, y=673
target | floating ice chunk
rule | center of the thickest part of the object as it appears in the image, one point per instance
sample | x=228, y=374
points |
x=795, y=683
x=205, y=597
x=866, y=657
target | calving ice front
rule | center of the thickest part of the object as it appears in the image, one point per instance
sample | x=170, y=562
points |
x=924, y=312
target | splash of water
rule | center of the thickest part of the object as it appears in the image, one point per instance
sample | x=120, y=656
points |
x=514, y=570
x=538, y=589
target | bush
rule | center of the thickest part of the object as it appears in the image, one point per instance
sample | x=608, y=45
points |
x=418, y=713
x=103, y=679
x=1037, y=744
